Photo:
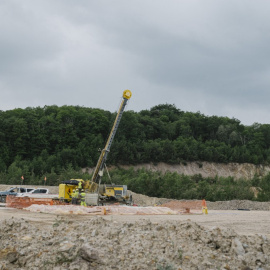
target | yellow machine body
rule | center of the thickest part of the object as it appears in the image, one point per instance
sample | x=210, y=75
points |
x=66, y=189
x=116, y=191
x=109, y=192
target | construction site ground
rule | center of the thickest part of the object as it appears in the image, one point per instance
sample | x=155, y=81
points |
x=233, y=235
x=241, y=221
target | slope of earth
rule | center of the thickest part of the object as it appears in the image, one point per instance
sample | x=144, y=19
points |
x=220, y=240
x=99, y=243
x=207, y=169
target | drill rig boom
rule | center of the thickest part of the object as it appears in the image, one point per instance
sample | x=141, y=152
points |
x=96, y=178
x=95, y=193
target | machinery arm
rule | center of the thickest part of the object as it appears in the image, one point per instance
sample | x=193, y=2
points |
x=103, y=156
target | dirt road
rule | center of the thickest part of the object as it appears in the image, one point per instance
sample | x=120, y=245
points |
x=243, y=222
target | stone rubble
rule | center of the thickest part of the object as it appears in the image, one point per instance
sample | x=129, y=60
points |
x=106, y=244
x=143, y=200
x=239, y=204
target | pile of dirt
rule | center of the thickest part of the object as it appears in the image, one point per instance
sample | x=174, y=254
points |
x=239, y=204
x=103, y=244
x=143, y=200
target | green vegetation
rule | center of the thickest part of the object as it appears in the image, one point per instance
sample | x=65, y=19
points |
x=56, y=141
x=175, y=186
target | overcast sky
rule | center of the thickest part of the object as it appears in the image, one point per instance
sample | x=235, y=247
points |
x=201, y=55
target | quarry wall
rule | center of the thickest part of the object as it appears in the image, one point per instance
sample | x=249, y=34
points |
x=207, y=169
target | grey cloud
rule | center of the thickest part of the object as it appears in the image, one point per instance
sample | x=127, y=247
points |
x=209, y=56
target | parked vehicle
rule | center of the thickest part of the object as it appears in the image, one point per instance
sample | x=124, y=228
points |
x=33, y=192
x=14, y=192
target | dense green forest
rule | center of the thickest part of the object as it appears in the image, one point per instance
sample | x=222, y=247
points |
x=175, y=186
x=49, y=141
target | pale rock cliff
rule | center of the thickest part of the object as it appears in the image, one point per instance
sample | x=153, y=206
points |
x=208, y=169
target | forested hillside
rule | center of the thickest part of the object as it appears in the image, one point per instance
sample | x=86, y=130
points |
x=52, y=140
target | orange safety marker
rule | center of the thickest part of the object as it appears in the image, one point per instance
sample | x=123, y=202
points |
x=204, y=207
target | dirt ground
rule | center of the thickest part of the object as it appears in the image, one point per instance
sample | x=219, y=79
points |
x=222, y=239
x=243, y=222
x=234, y=235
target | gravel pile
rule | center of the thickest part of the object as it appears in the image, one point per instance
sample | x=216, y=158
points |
x=104, y=244
x=239, y=204
x=143, y=200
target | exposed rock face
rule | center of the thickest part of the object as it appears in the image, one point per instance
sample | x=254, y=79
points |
x=208, y=169
x=104, y=244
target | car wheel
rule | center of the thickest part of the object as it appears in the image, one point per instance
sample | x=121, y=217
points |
x=3, y=199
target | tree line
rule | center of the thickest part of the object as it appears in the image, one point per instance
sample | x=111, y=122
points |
x=50, y=140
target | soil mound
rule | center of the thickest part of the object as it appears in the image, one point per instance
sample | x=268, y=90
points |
x=102, y=244
x=143, y=200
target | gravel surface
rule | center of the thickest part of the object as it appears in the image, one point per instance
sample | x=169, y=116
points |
x=99, y=243
x=219, y=240
x=223, y=239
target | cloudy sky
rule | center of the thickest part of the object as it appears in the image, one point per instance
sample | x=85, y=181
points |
x=201, y=55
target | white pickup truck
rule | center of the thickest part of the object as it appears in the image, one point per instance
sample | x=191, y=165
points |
x=13, y=191
x=37, y=191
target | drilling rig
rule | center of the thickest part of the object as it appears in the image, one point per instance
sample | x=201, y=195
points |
x=96, y=192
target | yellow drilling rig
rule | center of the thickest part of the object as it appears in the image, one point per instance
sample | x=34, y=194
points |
x=96, y=192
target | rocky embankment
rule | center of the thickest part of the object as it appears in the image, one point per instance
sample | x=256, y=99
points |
x=207, y=169
x=103, y=244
